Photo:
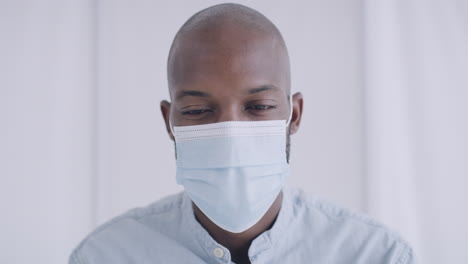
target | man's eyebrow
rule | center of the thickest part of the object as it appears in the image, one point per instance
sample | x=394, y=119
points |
x=191, y=93
x=262, y=88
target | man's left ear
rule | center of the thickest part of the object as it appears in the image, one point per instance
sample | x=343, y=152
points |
x=297, y=102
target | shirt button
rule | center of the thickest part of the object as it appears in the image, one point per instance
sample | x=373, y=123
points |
x=218, y=252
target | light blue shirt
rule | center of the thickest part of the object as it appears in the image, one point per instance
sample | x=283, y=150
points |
x=307, y=230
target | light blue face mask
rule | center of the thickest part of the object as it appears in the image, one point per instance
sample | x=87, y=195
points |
x=233, y=171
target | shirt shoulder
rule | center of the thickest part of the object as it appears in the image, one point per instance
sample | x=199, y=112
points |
x=344, y=234
x=135, y=236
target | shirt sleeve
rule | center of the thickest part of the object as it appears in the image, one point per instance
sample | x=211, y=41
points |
x=407, y=256
x=75, y=259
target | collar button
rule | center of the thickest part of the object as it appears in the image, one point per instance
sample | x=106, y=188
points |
x=218, y=252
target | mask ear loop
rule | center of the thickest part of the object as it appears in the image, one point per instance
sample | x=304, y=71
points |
x=173, y=134
x=290, y=111
x=170, y=127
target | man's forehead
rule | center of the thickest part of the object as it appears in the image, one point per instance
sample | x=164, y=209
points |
x=223, y=41
x=246, y=63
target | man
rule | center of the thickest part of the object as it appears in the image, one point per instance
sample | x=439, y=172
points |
x=231, y=115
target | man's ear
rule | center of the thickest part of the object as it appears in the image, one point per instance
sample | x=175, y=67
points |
x=297, y=102
x=166, y=113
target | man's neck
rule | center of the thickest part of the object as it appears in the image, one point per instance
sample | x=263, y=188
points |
x=239, y=243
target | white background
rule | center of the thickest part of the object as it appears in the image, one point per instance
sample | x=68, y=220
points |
x=82, y=138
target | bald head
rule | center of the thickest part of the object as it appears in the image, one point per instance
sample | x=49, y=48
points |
x=231, y=39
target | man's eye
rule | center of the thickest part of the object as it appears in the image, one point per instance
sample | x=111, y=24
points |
x=260, y=107
x=195, y=112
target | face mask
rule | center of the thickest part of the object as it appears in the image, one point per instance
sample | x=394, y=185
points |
x=233, y=171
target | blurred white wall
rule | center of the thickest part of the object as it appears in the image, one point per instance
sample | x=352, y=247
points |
x=417, y=123
x=47, y=120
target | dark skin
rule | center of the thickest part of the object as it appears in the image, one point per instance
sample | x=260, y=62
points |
x=230, y=73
